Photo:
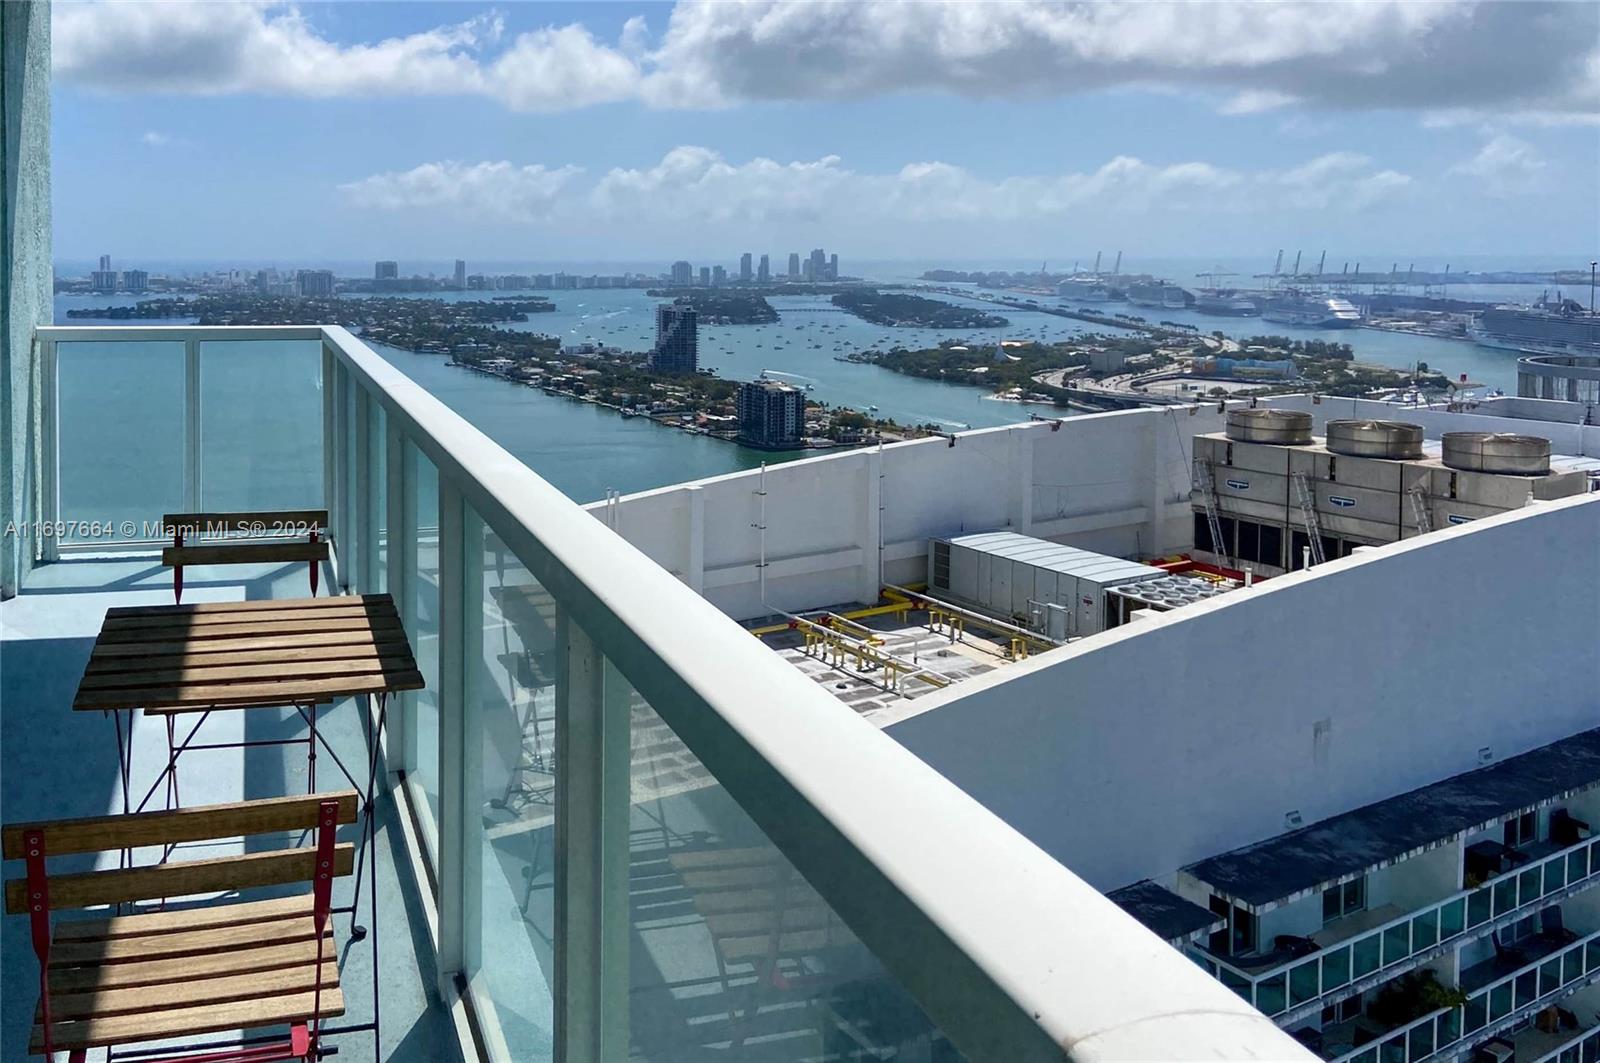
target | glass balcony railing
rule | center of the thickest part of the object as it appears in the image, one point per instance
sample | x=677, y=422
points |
x=1582, y=1046
x=1491, y=1007
x=638, y=833
x=1302, y=982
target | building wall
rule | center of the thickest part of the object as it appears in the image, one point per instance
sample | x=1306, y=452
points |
x=1132, y=753
x=25, y=296
x=1116, y=483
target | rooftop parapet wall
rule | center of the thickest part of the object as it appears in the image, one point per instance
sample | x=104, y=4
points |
x=1133, y=753
x=1115, y=483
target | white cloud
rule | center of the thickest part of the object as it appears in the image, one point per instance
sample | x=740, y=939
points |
x=154, y=139
x=1539, y=60
x=696, y=186
x=492, y=189
x=1506, y=166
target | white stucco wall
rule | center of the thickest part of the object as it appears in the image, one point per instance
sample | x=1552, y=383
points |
x=1115, y=482
x=1132, y=753
x=24, y=260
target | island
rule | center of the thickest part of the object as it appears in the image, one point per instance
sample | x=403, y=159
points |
x=722, y=307
x=900, y=310
x=241, y=309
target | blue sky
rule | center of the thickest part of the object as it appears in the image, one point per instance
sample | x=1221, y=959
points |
x=957, y=131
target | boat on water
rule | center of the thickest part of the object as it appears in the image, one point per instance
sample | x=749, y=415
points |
x=1085, y=290
x=1158, y=293
x=1225, y=302
x=1307, y=310
x=1560, y=327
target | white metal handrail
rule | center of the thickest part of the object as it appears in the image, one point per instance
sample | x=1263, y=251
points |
x=1007, y=951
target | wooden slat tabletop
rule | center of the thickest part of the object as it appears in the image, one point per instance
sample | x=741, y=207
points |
x=186, y=658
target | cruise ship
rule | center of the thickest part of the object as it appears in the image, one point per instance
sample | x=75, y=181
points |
x=1085, y=290
x=1158, y=293
x=1226, y=302
x=1304, y=310
x=1544, y=328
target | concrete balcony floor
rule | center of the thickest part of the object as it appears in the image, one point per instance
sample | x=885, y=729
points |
x=58, y=763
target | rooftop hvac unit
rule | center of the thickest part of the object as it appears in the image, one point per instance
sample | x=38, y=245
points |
x=1396, y=440
x=1289, y=428
x=1498, y=452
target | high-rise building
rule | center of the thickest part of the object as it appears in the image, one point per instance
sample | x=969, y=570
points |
x=386, y=270
x=314, y=281
x=682, y=274
x=677, y=348
x=705, y=276
x=764, y=271
x=105, y=278
x=461, y=274
x=136, y=280
x=808, y=270
x=719, y=276
x=794, y=265
x=833, y=267
x=772, y=415
x=744, y=267
x=817, y=265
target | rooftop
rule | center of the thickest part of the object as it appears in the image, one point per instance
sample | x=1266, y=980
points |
x=1167, y=915
x=1381, y=833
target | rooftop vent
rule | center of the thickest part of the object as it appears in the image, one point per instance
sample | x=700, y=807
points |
x=1289, y=428
x=1399, y=440
x=1499, y=452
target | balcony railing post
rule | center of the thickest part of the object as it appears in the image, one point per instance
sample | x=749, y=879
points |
x=591, y=844
x=364, y=502
x=454, y=699
x=330, y=438
x=400, y=469
x=191, y=425
x=49, y=478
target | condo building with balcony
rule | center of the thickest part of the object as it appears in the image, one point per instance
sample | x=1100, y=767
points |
x=719, y=771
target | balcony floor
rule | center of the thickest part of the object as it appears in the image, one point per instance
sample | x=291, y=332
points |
x=58, y=763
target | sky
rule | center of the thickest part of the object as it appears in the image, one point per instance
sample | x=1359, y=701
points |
x=953, y=131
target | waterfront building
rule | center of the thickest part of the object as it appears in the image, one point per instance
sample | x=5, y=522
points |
x=104, y=279
x=136, y=280
x=682, y=274
x=833, y=267
x=314, y=281
x=386, y=270
x=764, y=271
x=105, y=263
x=794, y=265
x=461, y=275
x=719, y=276
x=677, y=347
x=744, y=268
x=817, y=265
x=705, y=276
x=772, y=415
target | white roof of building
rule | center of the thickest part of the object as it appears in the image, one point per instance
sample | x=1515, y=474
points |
x=1097, y=568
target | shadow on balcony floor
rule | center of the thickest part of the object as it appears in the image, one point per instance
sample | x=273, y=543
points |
x=57, y=763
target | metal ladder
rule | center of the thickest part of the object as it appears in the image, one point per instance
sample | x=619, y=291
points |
x=1419, y=508
x=1308, y=513
x=1207, y=486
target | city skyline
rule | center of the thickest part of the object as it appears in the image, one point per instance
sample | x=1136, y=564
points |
x=629, y=132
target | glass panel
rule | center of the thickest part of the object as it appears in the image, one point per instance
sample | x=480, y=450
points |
x=1424, y=930
x=1393, y=1050
x=1550, y=976
x=1532, y=885
x=1555, y=875
x=1366, y=954
x=1335, y=969
x=1368, y=1056
x=1572, y=965
x=120, y=425
x=1577, y=865
x=261, y=425
x=1450, y=919
x=425, y=637
x=380, y=495
x=1421, y=1040
x=1505, y=895
x=1303, y=982
x=721, y=970
x=1236, y=982
x=1478, y=909
x=1527, y=988
x=1593, y=951
x=1500, y=1001
x=514, y=692
x=1396, y=943
x=1476, y=1013
x=1450, y=1027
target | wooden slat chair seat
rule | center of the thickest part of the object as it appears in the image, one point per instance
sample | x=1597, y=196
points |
x=229, y=549
x=228, y=965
